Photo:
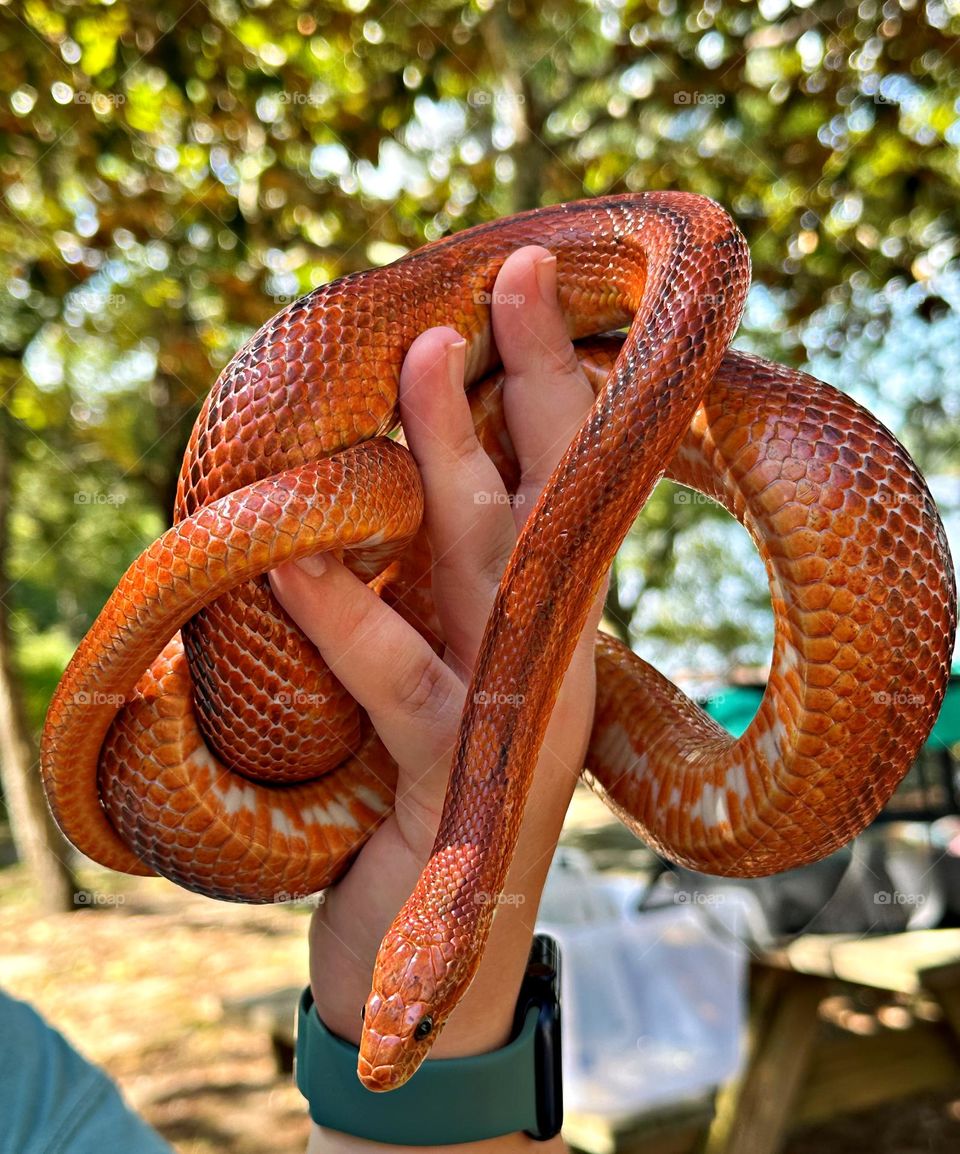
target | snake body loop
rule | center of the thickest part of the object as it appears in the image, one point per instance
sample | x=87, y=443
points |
x=196, y=734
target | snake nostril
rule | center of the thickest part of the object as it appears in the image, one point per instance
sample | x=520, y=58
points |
x=424, y=1028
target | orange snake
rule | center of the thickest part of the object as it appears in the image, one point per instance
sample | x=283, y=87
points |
x=251, y=773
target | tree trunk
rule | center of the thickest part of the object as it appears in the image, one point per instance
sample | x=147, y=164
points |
x=508, y=51
x=38, y=842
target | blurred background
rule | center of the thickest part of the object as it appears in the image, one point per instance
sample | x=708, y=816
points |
x=173, y=174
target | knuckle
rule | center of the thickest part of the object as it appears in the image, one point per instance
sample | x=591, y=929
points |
x=424, y=688
x=550, y=353
x=561, y=360
x=464, y=446
x=478, y=577
x=357, y=618
x=491, y=563
x=426, y=813
x=537, y=473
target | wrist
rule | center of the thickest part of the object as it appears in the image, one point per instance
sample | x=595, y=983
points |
x=346, y=933
x=483, y=1020
x=508, y=1094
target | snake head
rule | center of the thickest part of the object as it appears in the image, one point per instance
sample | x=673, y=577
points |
x=403, y=1016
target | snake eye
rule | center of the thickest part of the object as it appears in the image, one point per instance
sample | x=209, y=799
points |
x=424, y=1028
x=363, y=1013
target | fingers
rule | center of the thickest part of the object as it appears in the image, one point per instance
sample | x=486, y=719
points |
x=546, y=395
x=388, y=667
x=468, y=518
x=413, y=699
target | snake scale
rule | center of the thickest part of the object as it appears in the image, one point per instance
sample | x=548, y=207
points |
x=198, y=735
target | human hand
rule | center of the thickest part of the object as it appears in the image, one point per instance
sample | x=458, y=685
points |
x=413, y=697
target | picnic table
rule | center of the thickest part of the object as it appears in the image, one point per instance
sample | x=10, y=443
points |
x=798, y=1070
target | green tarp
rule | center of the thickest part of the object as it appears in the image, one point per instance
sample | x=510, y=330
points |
x=735, y=706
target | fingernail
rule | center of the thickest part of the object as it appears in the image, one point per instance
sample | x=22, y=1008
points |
x=546, y=270
x=456, y=359
x=314, y=565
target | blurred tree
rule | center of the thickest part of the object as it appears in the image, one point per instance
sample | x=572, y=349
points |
x=36, y=836
x=170, y=175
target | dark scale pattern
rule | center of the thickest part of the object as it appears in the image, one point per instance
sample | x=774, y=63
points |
x=140, y=753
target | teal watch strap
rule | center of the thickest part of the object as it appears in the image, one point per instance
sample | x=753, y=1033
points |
x=448, y=1100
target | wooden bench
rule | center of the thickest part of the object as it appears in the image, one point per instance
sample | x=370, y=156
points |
x=798, y=1070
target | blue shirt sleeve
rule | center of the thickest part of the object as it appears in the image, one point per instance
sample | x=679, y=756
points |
x=53, y=1101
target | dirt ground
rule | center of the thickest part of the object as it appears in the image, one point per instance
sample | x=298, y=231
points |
x=137, y=983
x=927, y=1125
x=139, y=980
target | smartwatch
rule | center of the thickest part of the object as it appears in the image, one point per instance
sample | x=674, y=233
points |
x=448, y=1100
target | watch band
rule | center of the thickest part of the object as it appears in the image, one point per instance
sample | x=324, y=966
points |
x=448, y=1100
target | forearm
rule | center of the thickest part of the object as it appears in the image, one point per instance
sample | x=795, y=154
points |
x=484, y=1018
x=343, y=949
